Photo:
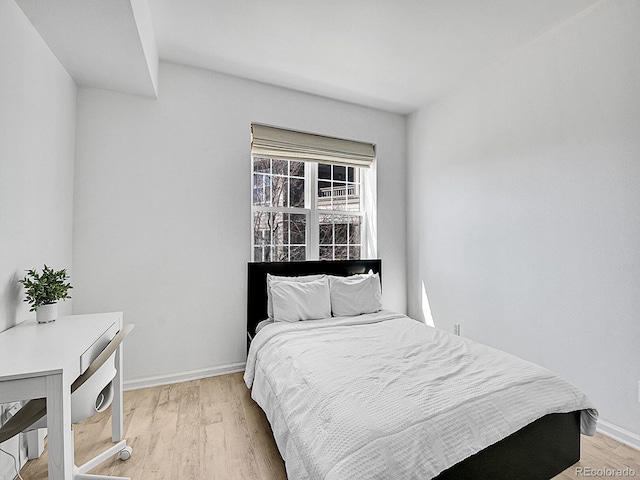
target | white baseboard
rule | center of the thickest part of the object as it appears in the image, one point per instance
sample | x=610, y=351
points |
x=160, y=380
x=619, y=434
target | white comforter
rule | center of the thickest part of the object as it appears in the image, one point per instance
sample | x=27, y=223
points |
x=384, y=396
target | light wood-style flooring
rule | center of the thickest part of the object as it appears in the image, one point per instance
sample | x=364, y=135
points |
x=211, y=429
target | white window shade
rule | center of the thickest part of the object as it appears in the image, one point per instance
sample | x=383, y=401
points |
x=278, y=143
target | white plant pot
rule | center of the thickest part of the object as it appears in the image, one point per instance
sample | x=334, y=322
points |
x=47, y=313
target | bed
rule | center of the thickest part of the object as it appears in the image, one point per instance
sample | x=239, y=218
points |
x=353, y=396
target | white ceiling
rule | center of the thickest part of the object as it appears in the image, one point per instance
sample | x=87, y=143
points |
x=389, y=54
x=105, y=44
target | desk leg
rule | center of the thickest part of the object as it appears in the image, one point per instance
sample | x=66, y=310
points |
x=59, y=428
x=117, y=416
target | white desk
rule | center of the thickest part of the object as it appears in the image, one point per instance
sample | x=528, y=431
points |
x=43, y=360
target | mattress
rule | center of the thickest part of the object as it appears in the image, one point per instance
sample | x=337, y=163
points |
x=385, y=396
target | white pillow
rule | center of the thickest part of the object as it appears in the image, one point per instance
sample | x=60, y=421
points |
x=295, y=301
x=355, y=295
x=270, y=278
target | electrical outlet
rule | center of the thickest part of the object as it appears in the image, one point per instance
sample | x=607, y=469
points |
x=638, y=391
x=456, y=329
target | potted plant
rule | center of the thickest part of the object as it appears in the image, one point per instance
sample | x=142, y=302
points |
x=44, y=290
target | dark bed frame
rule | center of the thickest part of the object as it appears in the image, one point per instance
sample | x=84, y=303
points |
x=538, y=451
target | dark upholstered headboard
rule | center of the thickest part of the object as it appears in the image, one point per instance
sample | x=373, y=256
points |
x=257, y=280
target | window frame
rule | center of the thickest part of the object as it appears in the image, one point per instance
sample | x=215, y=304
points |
x=313, y=213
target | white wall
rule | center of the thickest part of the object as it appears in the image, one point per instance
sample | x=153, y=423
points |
x=37, y=129
x=162, y=208
x=524, y=206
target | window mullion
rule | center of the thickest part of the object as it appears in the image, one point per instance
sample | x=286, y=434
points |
x=311, y=202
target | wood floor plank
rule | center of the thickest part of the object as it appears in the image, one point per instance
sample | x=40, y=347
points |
x=158, y=462
x=599, y=455
x=211, y=429
x=215, y=464
x=186, y=445
x=240, y=450
x=623, y=451
x=269, y=461
x=142, y=406
x=210, y=400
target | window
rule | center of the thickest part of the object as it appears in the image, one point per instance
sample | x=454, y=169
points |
x=340, y=214
x=279, y=214
x=306, y=210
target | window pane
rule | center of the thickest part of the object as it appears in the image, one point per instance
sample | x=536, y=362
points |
x=280, y=254
x=280, y=167
x=353, y=197
x=258, y=181
x=285, y=229
x=324, y=195
x=324, y=188
x=326, y=253
x=339, y=173
x=296, y=169
x=324, y=171
x=261, y=228
x=261, y=181
x=339, y=196
x=354, y=231
x=340, y=227
x=326, y=234
x=277, y=230
x=266, y=257
x=298, y=229
x=340, y=253
x=261, y=165
x=326, y=230
x=261, y=236
x=354, y=253
x=280, y=191
x=259, y=190
x=296, y=192
x=298, y=254
x=350, y=174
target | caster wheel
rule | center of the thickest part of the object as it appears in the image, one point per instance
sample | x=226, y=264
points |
x=125, y=453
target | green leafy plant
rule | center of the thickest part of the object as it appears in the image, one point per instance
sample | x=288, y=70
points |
x=45, y=288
